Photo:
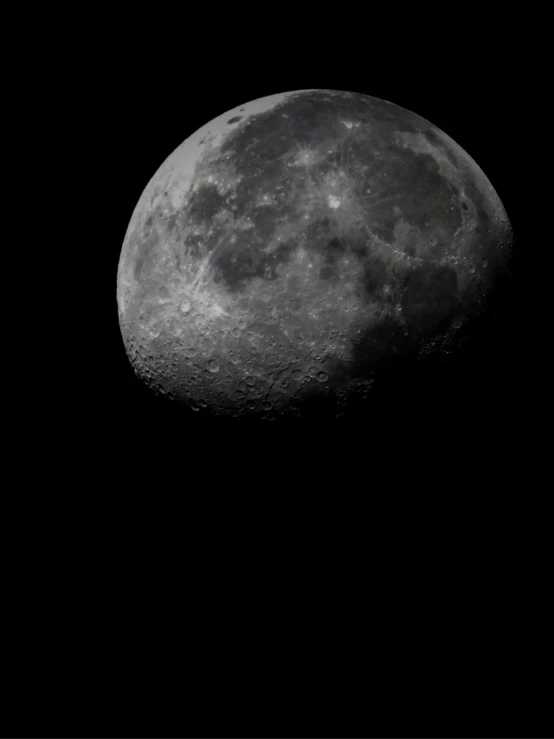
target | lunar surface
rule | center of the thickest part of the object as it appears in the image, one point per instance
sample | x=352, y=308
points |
x=288, y=251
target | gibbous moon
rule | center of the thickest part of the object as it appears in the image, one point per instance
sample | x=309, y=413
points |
x=290, y=249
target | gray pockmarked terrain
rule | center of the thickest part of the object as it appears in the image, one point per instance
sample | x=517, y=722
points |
x=291, y=247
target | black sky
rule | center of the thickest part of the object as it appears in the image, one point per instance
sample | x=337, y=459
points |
x=149, y=514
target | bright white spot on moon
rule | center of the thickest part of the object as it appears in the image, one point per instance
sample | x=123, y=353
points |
x=305, y=157
x=348, y=124
x=333, y=201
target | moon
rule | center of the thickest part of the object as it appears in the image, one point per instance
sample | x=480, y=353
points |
x=290, y=250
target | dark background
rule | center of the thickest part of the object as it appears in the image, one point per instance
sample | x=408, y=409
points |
x=249, y=576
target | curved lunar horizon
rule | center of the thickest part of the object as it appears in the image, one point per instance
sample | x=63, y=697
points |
x=292, y=248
